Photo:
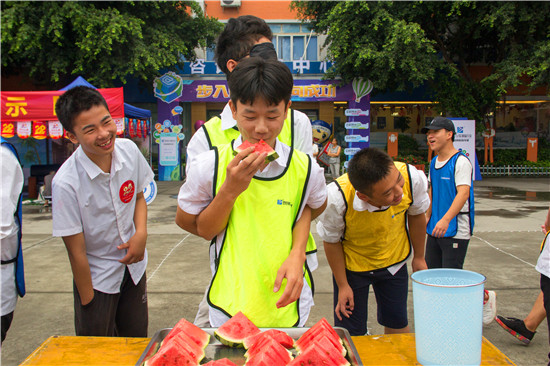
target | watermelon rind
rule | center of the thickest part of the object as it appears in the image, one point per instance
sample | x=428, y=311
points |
x=233, y=332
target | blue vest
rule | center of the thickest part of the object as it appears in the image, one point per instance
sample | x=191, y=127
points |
x=443, y=194
x=18, y=260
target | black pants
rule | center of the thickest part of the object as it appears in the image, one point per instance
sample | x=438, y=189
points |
x=446, y=252
x=6, y=323
x=545, y=287
x=114, y=315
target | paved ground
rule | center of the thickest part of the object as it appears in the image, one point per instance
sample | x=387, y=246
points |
x=504, y=248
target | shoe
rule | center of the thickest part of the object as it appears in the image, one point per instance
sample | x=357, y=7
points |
x=490, y=308
x=516, y=327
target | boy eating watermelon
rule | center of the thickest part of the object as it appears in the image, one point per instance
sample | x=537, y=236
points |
x=256, y=211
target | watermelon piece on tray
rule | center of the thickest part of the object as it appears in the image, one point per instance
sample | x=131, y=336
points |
x=259, y=147
x=196, y=334
x=186, y=344
x=170, y=354
x=282, y=337
x=315, y=355
x=233, y=332
x=270, y=346
x=221, y=362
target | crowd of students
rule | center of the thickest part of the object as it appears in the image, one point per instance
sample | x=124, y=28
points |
x=256, y=213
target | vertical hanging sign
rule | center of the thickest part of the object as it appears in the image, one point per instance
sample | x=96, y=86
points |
x=358, y=123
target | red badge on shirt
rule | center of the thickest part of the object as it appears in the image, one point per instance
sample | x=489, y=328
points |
x=127, y=191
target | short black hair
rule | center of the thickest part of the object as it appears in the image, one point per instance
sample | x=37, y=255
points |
x=75, y=101
x=238, y=37
x=255, y=77
x=367, y=167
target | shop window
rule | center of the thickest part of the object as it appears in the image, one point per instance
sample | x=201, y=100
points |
x=380, y=123
x=210, y=53
x=291, y=28
x=291, y=48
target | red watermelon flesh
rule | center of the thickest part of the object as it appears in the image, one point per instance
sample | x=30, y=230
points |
x=195, y=352
x=316, y=356
x=273, y=355
x=326, y=345
x=271, y=346
x=259, y=148
x=282, y=337
x=222, y=362
x=196, y=334
x=233, y=332
x=321, y=324
x=170, y=354
x=315, y=333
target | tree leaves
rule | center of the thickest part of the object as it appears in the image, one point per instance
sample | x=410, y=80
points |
x=103, y=41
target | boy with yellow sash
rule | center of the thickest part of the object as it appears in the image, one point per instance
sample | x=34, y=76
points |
x=257, y=212
x=375, y=220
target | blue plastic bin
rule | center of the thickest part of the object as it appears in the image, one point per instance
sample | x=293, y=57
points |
x=448, y=315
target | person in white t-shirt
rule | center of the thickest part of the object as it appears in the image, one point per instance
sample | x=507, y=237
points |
x=451, y=213
x=99, y=210
x=13, y=283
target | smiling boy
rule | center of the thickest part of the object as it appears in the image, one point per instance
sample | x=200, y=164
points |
x=99, y=210
x=255, y=211
x=374, y=221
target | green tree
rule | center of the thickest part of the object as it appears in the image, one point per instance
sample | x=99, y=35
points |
x=401, y=45
x=104, y=41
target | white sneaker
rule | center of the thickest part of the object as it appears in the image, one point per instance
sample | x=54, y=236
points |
x=490, y=308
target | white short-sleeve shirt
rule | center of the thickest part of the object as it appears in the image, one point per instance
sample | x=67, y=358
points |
x=332, y=224
x=303, y=135
x=11, y=177
x=101, y=205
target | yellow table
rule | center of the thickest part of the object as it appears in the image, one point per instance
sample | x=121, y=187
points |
x=396, y=349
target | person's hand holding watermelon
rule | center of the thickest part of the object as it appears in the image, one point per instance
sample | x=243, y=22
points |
x=241, y=170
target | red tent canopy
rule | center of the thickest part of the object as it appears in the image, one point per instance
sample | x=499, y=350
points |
x=40, y=105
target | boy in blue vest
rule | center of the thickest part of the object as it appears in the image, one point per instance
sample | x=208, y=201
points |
x=13, y=281
x=254, y=210
x=451, y=213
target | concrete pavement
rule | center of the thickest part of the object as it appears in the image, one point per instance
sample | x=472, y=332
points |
x=505, y=247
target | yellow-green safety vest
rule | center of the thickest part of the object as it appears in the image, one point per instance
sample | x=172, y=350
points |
x=380, y=239
x=257, y=240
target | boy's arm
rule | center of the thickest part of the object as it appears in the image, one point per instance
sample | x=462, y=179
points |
x=335, y=256
x=186, y=221
x=292, y=267
x=417, y=232
x=240, y=170
x=136, y=244
x=76, y=248
x=318, y=211
x=462, y=194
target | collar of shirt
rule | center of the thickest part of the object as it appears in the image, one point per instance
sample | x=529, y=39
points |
x=91, y=168
x=360, y=205
x=281, y=149
x=227, y=118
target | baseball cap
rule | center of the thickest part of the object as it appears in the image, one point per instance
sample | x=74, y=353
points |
x=439, y=123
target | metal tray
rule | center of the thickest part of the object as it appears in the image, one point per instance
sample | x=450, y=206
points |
x=215, y=350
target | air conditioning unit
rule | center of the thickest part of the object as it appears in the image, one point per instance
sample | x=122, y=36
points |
x=230, y=3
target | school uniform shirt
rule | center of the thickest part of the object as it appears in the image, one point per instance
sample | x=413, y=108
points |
x=543, y=263
x=197, y=193
x=302, y=132
x=11, y=186
x=463, y=176
x=101, y=205
x=331, y=224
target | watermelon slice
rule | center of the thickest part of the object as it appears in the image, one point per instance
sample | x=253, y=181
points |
x=259, y=147
x=196, y=334
x=315, y=355
x=186, y=344
x=270, y=346
x=322, y=327
x=233, y=332
x=170, y=354
x=282, y=337
x=222, y=362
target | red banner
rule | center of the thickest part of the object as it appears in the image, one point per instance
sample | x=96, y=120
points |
x=8, y=129
x=39, y=130
x=40, y=105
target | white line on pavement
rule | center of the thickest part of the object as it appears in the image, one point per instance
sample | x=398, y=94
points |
x=27, y=247
x=503, y=251
x=166, y=257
